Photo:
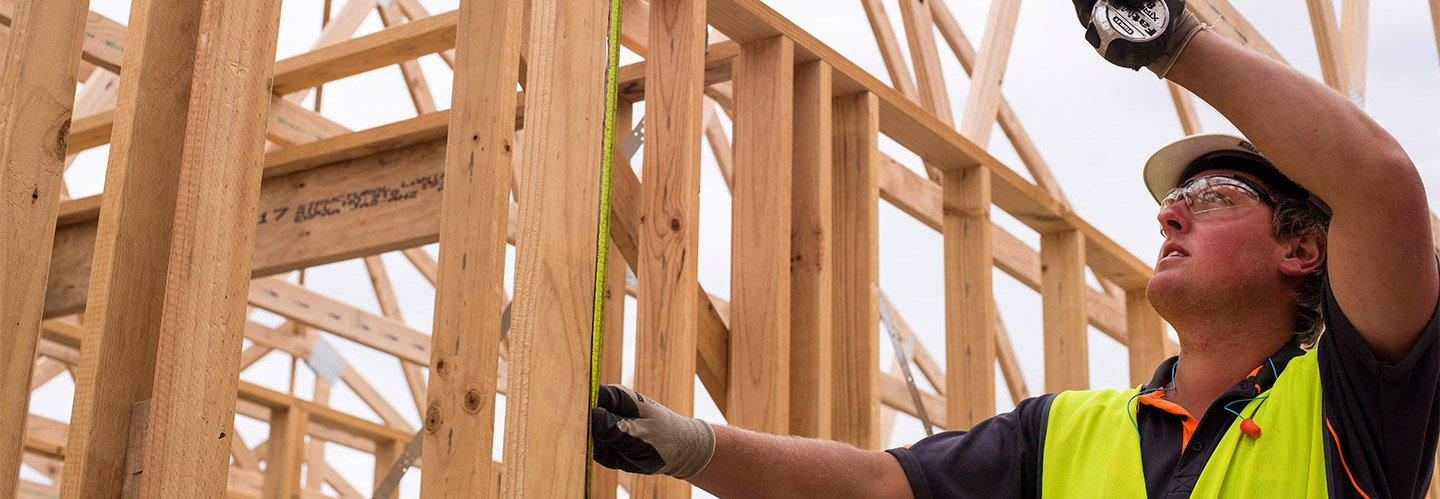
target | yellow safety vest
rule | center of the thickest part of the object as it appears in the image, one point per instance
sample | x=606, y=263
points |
x=1091, y=448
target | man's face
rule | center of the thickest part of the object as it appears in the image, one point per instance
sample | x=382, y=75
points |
x=1216, y=257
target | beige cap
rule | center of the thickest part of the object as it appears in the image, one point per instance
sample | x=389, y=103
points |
x=1166, y=168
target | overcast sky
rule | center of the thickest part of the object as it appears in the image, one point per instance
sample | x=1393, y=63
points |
x=1093, y=123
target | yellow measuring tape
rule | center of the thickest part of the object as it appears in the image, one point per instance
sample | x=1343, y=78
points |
x=602, y=236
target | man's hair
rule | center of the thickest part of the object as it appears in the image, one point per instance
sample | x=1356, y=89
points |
x=1296, y=216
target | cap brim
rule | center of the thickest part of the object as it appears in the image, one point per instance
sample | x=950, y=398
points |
x=1164, y=168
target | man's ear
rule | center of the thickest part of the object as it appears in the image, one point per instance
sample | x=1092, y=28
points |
x=1303, y=255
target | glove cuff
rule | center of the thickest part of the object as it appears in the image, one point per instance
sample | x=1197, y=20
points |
x=1187, y=27
x=691, y=463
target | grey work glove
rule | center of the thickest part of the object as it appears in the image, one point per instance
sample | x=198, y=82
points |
x=635, y=434
x=1138, y=33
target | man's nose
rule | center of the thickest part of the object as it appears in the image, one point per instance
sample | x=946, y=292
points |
x=1175, y=218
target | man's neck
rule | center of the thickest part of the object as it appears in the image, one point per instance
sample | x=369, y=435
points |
x=1215, y=355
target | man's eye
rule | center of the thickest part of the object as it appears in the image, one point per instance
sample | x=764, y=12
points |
x=1216, y=197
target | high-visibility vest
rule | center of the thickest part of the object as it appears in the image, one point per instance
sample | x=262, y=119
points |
x=1091, y=448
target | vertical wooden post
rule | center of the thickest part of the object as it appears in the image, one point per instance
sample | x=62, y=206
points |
x=669, y=231
x=460, y=411
x=36, y=95
x=1062, y=295
x=969, y=302
x=287, y=452
x=139, y=205
x=386, y=453
x=547, y=402
x=1147, y=336
x=193, y=400
x=856, y=203
x=812, y=255
x=759, y=395
x=182, y=187
x=604, y=480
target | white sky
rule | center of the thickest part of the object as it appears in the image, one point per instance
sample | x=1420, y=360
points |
x=1093, y=123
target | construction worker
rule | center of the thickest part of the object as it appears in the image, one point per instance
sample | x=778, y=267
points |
x=1320, y=226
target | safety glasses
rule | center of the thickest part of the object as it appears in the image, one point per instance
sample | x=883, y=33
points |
x=1217, y=192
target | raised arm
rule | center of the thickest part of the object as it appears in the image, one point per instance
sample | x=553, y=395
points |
x=1381, y=264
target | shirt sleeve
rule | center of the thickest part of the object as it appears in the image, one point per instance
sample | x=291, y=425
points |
x=997, y=458
x=1382, y=417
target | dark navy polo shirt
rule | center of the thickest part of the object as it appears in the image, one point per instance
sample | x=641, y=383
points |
x=1381, y=420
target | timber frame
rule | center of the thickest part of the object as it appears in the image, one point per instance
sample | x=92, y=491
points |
x=167, y=264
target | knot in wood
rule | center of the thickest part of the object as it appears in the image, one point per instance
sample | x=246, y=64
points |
x=432, y=418
x=473, y=401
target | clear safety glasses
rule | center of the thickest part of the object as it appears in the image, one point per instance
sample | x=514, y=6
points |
x=1216, y=192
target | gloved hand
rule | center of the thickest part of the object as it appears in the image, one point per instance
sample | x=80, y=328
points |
x=1138, y=33
x=635, y=434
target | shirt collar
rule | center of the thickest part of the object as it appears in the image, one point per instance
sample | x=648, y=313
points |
x=1262, y=377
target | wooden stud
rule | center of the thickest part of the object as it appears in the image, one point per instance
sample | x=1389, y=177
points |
x=386, y=454
x=812, y=255
x=286, y=450
x=1185, y=108
x=668, y=239
x=36, y=94
x=856, y=205
x=969, y=301
x=141, y=206
x=984, y=98
x=760, y=284
x=1147, y=336
x=193, y=397
x=1062, y=294
x=149, y=130
x=460, y=413
x=555, y=253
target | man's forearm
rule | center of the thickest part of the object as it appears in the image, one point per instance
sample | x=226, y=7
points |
x=1307, y=130
x=750, y=464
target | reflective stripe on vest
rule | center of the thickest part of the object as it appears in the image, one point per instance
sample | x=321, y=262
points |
x=1091, y=449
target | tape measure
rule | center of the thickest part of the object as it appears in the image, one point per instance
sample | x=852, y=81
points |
x=602, y=235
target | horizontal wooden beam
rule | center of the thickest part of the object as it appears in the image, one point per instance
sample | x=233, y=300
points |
x=393, y=45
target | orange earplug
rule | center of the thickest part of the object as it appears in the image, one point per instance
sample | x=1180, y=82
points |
x=1249, y=427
